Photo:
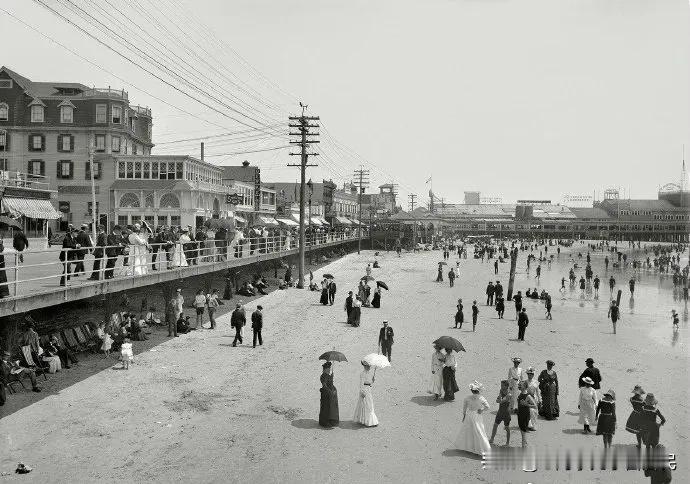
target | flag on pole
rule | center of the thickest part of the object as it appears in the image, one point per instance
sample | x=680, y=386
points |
x=428, y=180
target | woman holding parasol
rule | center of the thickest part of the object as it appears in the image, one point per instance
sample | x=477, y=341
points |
x=329, y=415
x=450, y=386
x=364, y=410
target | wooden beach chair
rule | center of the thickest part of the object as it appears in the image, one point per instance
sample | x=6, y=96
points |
x=83, y=340
x=71, y=341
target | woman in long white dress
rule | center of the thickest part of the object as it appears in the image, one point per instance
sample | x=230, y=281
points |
x=587, y=404
x=138, y=251
x=179, y=259
x=364, y=410
x=436, y=386
x=533, y=389
x=472, y=437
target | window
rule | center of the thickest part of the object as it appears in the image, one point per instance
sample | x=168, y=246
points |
x=175, y=220
x=115, y=144
x=36, y=114
x=96, y=170
x=36, y=142
x=3, y=141
x=133, y=124
x=64, y=169
x=137, y=169
x=154, y=170
x=162, y=220
x=129, y=200
x=65, y=143
x=4, y=112
x=100, y=142
x=101, y=113
x=117, y=114
x=5, y=83
x=3, y=164
x=149, y=220
x=37, y=167
x=90, y=207
x=122, y=220
x=130, y=169
x=169, y=200
x=66, y=114
x=148, y=200
x=179, y=176
x=121, y=169
x=147, y=170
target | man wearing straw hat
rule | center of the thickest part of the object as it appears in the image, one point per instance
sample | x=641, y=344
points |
x=515, y=376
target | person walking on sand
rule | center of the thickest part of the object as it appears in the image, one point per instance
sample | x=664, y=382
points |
x=503, y=414
x=614, y=314
x=475, y=314
x=548, y=305
x=500, y=307
x=634, y=422
x=490, y=291
x=525, y=404
x=606, y=417
x=523, y=321
x=364, y=410
x=436, y=385
x=538, y=276
x=496, y=267
x=386, y=340
x=450, y=385
x=533, y=390
x=439, y=276
x=650, y=426
x=515, y=376
x=548, y=385
x=459, y=315
x=597, y=282
x=593, y=373
x=329, y=413
x=451, y=277
x=332, y=288
x=348, y=305
x=257, y=325
x=587, y=404
x=518, y=304
x=237, y=321
x=472, y=437
x=612, y=283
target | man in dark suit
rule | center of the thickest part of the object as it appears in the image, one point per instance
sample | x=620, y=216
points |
x=20, y=242
x=348, y=304
x=113, y=249
x=592, y=372
x=156, y=245
x=386, y=340
x=84, y=241
x=98, y=252
x=237, y=321
x=257, y=324
x=69, y=243
x=331, y=292
x=523, y=321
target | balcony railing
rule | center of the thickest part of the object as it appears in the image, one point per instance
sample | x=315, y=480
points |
x=106, y=92
x=141, y=110
x=22, y=180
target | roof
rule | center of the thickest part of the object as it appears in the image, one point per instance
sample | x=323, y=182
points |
x=640, y=204
x=42, y=89
x=589, y=212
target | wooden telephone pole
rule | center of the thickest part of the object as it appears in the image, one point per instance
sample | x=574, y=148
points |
x=303, y=126
x=412, y=200
x=362, y=181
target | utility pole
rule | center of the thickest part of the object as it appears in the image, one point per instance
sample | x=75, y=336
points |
x=94, y=211
x=362, y=180
x=303, y=126
x=411, y=203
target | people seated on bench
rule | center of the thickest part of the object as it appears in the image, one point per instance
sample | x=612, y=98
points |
x=246, y=289
x=136, y=332
x=10, y=371
x=260, y=284
x=54, y=348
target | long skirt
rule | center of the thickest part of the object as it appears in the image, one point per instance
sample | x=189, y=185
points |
x=472, y=437
x=364, y=410
x=376, y=301
x=450, y=386
x=324, y=296
x=549, y=403
x=436, y=383
x=354, y=316
x=179, y=259
x=329, y=415
x=634, y=422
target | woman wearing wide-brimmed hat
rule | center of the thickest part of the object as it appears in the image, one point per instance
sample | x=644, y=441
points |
x=329, y=414
x=515, y=376
x=548, y=384
x=364, y=410
x=437, y=359
x=650, y=427
x=634, y=422
x=606, y=417
x=587, y=404
x=533, y=389
x=472, y=437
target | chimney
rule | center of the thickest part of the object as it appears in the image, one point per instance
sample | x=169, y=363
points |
x=202, y=151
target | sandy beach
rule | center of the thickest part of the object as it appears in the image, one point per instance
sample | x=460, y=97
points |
x=195, y=409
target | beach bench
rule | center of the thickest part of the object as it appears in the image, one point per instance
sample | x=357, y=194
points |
x=83, y=340
x=71, y=341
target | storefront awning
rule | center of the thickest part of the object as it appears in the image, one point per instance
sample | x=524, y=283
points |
x=31, y=208
x=240, y=219
x=263, y=220
x=287, y=221
x=323, y=221
x=316, y=221
x=342, y=221
x=356, y=222
x=295, y=216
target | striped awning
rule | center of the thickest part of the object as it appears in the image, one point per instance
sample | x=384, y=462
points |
x=31, y=208
x=266, y=221
x=295, y=216
x=342, y=221
x=240, y=219
x=356, y=222
x=323, y=221
x=287, y=221
x=316, y=221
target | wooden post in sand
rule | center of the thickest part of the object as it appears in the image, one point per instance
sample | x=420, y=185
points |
x=513, y=263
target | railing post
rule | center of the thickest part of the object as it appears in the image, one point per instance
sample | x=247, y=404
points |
x=16, y=271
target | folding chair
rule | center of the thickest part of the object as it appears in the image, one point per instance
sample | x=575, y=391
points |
x=28, y=357
x=82, y=339
x=71, y=341
x=12, y=382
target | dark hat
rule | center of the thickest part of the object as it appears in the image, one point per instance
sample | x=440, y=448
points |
x=117, y=227
x=589, y=360
x=550, y=362
x=259, y=307
x=237, y=305
x=328, y=364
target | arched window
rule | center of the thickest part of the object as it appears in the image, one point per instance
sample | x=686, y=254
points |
x=148, y=200
x=169, y=200
x=4, y=112
x=130, y=200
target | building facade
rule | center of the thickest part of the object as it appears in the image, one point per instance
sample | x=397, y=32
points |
x=48, y=129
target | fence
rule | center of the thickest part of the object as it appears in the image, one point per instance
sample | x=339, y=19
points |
x=36, y=270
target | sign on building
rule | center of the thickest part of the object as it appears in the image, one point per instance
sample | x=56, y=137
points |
x=578, y=200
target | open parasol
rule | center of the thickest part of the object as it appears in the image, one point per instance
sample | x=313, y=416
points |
x=443, y=263
x=368, y=278
x=382, y=284
x=333, y=356
x=147, y=226
x=450, y=343
x=376, y=361
x=328, y=276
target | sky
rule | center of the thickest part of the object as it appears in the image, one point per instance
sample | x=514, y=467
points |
x=514, y=98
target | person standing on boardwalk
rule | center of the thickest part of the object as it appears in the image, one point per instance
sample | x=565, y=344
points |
x=98, y=253
x=84, y=241
x=237, y=320
x=331, y=292
x=490, y=291
x=475, y=314
x=69, y=244
x=386, y=340
x=257, y=325
x=614, y=314
x=523, y=321
x=591, y=372
x=20, y=242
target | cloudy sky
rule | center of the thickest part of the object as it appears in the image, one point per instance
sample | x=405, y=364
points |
x=515, y=98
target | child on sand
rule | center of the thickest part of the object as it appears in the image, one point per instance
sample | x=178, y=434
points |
x=503, y=415
x=126, y=354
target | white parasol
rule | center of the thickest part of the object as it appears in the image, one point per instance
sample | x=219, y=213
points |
x=376, y=361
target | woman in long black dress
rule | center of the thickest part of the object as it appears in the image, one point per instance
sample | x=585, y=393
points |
x=548, y=385
x=606, y=417
x=329, y=415
x=324, y=292
x=634, y=422
x=450, y=385
x=459, y=315
x=4, y=289
x=356, y=312
x=376, y=300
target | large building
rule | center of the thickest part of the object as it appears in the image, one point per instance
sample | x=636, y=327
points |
x=48, y=128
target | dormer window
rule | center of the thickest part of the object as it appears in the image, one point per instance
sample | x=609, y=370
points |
x=37, y=113
x=4, y=112
x=66, y=114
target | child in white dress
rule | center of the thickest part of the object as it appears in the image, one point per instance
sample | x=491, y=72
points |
x=126, y=353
